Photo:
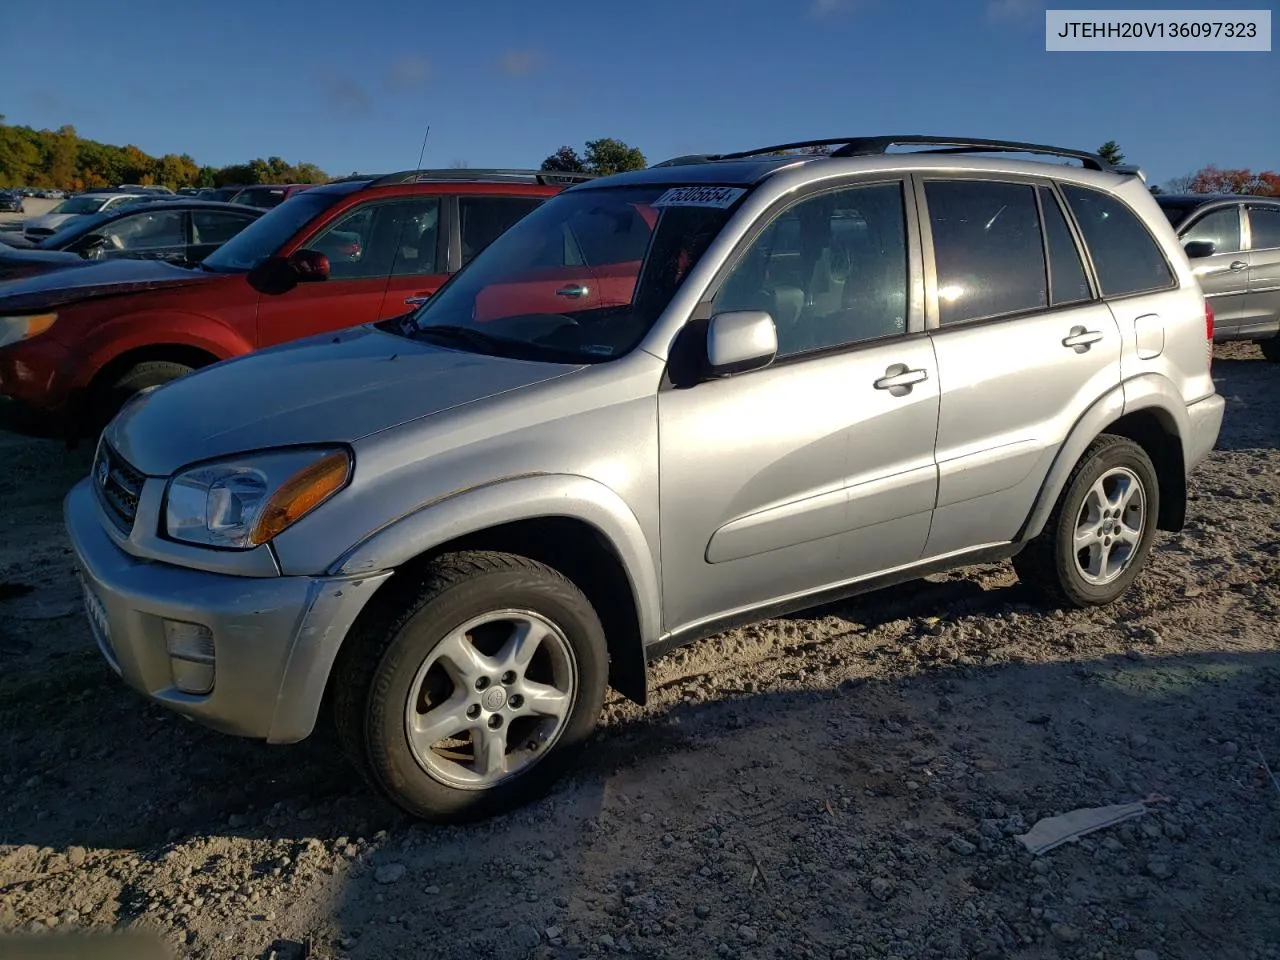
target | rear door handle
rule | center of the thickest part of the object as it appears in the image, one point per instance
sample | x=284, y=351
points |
x=1238, y=265
x=574, y=290
x=899, y=376
x=418, y=300
x=1080, y=337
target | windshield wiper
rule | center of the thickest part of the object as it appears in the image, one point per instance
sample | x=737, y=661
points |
x=456, y=334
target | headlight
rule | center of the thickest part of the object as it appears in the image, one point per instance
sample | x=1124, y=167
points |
x=14, y=329
x=243, y=502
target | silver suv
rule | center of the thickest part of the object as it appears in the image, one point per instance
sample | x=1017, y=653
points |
x=1234, y=244
x=755, y=382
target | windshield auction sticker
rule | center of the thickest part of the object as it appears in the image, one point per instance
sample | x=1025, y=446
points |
x=1179, y=31
x=719, y=197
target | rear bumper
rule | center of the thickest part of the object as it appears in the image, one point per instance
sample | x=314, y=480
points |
x=274, y=639
x=1205, y=419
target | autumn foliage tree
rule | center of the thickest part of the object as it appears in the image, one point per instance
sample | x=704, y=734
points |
x=66, y=161
x=1211, y=179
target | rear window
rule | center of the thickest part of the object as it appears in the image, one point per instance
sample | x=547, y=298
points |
x=1125, y=255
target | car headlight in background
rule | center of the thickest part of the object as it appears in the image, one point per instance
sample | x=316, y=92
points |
x=15, y=329
x=242, y=502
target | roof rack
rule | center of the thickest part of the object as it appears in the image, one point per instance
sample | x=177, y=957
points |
x=467, y=174
x=872, y=146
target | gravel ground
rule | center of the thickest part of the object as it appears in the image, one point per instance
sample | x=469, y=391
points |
x=842, y=784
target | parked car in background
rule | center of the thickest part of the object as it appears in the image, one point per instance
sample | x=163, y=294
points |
x=1234, y=242
x=180, y=230
x=268, y=195
x=81, y=205
x=75, y=344
x=831, y=374
x=11, y=201
x=218, y=193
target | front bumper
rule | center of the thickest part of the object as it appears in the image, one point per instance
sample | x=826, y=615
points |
x=274, y=638
x=1205, y=417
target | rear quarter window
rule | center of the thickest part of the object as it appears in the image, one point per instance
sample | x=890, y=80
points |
x=1125, y=255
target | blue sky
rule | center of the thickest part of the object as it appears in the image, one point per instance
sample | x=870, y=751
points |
x=351, y=85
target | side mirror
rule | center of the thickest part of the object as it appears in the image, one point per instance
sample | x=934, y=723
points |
x=1196, y=249
x=309, y=265
x=739, y=341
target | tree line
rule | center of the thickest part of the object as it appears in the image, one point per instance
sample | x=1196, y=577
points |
x=63, y=160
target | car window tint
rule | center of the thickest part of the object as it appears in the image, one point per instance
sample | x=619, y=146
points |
x=831, y=270
x=1221, y=228
x=416, y=245
x=374, y=238
x=1067, y=280
x=1125, y=255
x=146, y=231
x=988, y=249
x=1265, y=226
x=484, y=219
x=215, y=226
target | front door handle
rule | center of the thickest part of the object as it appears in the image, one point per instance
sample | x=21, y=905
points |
x=418, y=300
x=574, y=290
x=899, y=379
x=1238, y=265
x=1080, y=337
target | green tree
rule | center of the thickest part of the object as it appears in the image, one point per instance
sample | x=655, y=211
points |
x=564, y=160
x=1111, y=153
x=607, y=156
x=62, y=157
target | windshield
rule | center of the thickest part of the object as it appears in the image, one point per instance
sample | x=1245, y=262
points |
x=261, y=239
x=582, y=278
x=80, y=205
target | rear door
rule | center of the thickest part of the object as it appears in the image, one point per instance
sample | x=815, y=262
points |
x=1224, y=276
x=1262, y=315
x=363, y=243
x=1023, y=346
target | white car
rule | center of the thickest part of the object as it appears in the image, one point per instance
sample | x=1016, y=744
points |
x=37, y=228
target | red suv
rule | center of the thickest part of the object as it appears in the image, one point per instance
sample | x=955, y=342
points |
x=75, y=344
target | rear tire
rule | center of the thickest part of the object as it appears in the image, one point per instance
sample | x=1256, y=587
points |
x=500, y=656
x=1271, y=348
x=1098, y=537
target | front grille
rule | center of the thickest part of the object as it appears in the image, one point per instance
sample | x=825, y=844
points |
x=119, y=485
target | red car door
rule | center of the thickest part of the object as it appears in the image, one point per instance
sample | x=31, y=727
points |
x=596, y=266
x=364, y=245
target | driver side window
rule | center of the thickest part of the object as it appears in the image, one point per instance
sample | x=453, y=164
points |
x=831, y=270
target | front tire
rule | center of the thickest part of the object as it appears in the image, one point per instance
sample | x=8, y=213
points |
x=1098, y=537
x=471, y=688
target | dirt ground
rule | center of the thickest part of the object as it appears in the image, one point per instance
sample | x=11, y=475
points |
x=845, y=783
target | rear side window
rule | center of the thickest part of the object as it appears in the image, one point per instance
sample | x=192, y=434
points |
x=988, y=248
x=1221, y=228
x=484, y=219
x=1067, y=283
x=1265, y=226
x=1125, y=255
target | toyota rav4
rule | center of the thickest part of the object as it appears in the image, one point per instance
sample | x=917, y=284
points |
x=773, y=381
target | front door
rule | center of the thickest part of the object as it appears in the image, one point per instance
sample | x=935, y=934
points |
x=364, y=245
x=1224, y=276
x=819, y=468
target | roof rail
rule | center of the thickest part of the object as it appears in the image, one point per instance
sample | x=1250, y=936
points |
x=872, y=146
x=468, y=174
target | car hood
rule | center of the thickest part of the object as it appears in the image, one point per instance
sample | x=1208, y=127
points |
x=335, y=387
x=50, y=220
x=95, y=279
x=15, y=264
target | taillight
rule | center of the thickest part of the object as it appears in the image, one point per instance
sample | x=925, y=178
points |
x=1208, y=320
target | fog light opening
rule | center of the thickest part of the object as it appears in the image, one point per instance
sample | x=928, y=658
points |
x=191, y=655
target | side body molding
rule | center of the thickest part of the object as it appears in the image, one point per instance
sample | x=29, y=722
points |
x=506, y=501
